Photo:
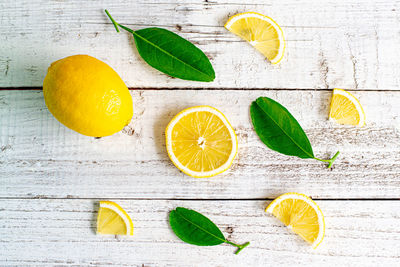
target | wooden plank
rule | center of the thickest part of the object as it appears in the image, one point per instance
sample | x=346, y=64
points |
x=39, y=157
x=350, y=44
x=62, y=232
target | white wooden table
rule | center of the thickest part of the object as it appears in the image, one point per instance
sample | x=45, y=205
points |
x=52, y=178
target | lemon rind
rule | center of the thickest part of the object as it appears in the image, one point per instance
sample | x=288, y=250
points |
x=354, y=100
x=309, y=201
x=121, y=212
x=276, y=26
x=175, y=161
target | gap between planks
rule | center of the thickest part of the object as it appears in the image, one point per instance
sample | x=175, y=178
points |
x=220, y=89
x=193, y=199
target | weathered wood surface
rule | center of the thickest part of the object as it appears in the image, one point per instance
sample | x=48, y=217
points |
x=350, y=44
x=39, y=157
x=62, y=233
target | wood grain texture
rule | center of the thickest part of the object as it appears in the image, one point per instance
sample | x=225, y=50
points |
x=41, y=158
x=62, y=233
x=349, y=44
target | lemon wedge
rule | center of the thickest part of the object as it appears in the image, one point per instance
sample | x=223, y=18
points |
x=113, y=220
x=300, y=214
x=201, y=142
x=345, y=109
x=260, y=31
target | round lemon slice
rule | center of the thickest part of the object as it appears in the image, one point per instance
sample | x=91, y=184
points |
x=260, y=31
x=113, y=220
x=300, y=214
x=345, y=109
x=201, y=142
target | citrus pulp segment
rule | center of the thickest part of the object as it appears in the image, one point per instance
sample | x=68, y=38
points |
x=260, y=31
x=113, y=220
x=300, y=214
x=201, y=142
x=346, y=109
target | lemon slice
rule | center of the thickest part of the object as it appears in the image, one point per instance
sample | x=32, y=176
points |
x=113, y=220
x=300, y=214
x=260, y=31
x=345, y=109
x=201, y=142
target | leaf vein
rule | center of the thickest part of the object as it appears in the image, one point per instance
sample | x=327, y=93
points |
x=198, y=226
x=169, y=54
x=311, y=156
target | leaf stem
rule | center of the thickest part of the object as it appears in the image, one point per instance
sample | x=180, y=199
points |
x=127, y=29
x=112, y=20
x=197, y=66
x=117, y=25
x=330, y=161
x=240, y=247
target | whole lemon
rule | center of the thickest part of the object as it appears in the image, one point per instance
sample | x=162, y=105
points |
x=87, y=96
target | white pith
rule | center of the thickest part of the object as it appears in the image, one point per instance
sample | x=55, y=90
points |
x=309, y=201
x=271, y=22
x=186, y=170
x=201, y=142
x=354, y=100
x=120, y=213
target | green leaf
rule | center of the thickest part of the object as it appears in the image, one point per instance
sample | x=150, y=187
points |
x=280, y=131
x=171, y=54
x=196, y=229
